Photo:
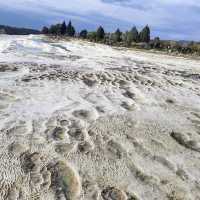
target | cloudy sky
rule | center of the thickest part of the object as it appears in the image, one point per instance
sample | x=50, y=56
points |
x=169, y=19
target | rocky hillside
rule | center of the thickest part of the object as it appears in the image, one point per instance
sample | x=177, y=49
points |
x=17, y=31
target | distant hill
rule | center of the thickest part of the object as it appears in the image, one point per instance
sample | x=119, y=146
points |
x=17, y=31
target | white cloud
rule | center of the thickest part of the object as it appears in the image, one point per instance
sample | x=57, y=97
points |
x=85, y=7
x=158, y=13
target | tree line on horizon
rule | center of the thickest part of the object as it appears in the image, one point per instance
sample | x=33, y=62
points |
x=60, y=29
x=100, y=35
x=132, y=38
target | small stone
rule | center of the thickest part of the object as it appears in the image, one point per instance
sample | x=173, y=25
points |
x=128, y=106
x=129, y=94
x=59, y=133
x=64, y=148
x=46, y=175
x=64, y=123
x=68, y=180
x=85, y=147
x=78, y=133
x=170, y=101
x=13, y=194
x=88, y=115
x=90, y=82
x=36, y=178
x=35, y=158
x=112, y=193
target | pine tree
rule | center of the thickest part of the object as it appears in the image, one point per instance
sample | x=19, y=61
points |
x=83, y=34
x=73, y=31
x=45, y=30
x=129, y=38
x=132, y=36
x=100, y=33
x=145, y=34
x=135, y=34
x=118, y=35
x=70, y=30
x=63, y=28
x=156, y=43
x=124, y=37
x=55, y=29
x=92, y=36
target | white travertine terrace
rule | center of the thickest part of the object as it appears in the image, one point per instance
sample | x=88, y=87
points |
x=118, y=124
